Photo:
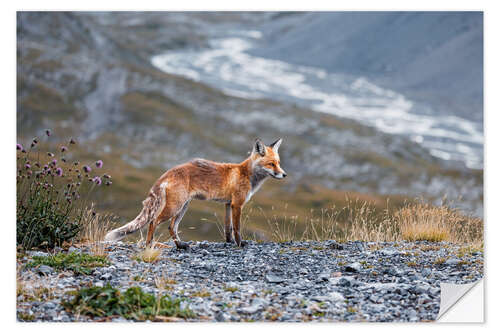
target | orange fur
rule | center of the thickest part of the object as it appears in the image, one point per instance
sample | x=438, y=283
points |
x=230, y=183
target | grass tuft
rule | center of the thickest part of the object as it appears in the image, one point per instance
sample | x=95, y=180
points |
x=149, y=255
x=80, y=263
x=423, y=222
x=94, y=229
x=134, y=304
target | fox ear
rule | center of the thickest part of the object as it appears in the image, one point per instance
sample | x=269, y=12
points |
x=276, y=145
x=259, y=147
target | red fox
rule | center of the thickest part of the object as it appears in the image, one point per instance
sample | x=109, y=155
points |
x=232, y=184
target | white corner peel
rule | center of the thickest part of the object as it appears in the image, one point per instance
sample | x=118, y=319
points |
x=457, y=306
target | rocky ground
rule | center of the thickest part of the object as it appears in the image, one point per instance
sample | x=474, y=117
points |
x=294, y=281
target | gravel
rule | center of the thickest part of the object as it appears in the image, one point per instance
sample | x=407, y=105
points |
x=293, y=281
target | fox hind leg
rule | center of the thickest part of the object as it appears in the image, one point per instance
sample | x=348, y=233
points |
x=174, y=226
x=228, y=227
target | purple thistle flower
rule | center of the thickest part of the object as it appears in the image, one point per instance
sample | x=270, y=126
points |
x=45, y=167
x=106, y=176
x=87, y=169
x=50, y=154
x=23, y=151
x=54, y=162
x=59, y=172
x=99, y=164
x=97, y=180
x=63, y=149
x=27, y=166
x=108, y=183
x=19, y=146
x=47, y=131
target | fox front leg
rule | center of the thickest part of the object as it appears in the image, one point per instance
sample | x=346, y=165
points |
x=236, y=213
x=228, y=227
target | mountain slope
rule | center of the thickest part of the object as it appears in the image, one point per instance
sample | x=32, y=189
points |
x=433, y=57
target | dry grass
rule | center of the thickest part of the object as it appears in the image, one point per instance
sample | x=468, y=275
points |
x=164, y=282
x=283, y=227
x=95, y=227
x=360, y=220
x=149, y=254
x=422, y=221
x=31, y=290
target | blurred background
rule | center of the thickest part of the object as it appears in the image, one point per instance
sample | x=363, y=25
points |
x=382, y=107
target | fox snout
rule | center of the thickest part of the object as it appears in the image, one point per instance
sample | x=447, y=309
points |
x=279, y=175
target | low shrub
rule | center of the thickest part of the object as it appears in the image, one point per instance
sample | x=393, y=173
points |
x=80, y=263
x=52, y=194
x=134, y=304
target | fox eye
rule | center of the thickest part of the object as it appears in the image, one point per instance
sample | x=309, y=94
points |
x=273, y=165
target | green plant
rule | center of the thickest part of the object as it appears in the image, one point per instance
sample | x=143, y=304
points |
x=22, y=316
x=132, y=304
x=80, y=263
x=51, y=195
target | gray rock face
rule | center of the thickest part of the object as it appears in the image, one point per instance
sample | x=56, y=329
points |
x=402, y=50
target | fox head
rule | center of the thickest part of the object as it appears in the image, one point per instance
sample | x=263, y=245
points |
x=266, y=160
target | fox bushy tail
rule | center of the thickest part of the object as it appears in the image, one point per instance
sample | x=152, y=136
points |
x=150, y=210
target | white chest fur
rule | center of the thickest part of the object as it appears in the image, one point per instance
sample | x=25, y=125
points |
x=254, y=189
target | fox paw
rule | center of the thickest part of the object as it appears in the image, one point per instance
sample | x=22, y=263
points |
x=182, y=245
x=243, y=243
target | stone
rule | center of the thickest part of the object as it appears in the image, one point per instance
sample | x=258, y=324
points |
x=271, y=278
x=74, y=249
x=222, y=316
x=388, y=252
x=353, y=267
x=452, y=262
x=44, y=269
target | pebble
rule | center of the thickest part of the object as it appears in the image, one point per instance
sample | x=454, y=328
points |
x=354, y=267
x=44, y=269
x=274, y=278
x=452, y=262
